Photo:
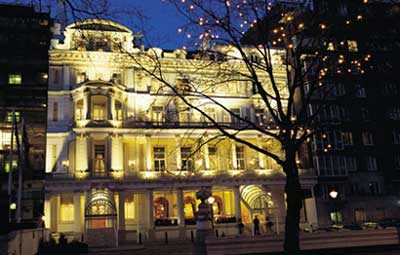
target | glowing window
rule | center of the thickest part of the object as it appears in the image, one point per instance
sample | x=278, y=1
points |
x=159, y=158
x=129, y=210
x=240, y=157
x=14, y=79
x=16, y=115
x=79, y=110
x=66, y=209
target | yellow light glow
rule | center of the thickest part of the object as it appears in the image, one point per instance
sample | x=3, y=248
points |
x=82, y=174
x=264, y=172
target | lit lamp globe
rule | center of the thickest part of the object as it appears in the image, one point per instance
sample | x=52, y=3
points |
x=211, y=200
x=333, y=194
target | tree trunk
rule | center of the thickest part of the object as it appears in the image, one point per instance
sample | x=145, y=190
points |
x=294, y=199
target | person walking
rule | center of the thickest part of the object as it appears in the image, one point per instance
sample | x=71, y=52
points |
x=256, y=223
x=268, y=224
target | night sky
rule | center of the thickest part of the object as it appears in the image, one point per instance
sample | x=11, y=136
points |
x=159, y=27
x=161, y=22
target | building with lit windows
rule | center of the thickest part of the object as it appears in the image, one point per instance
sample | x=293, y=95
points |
x=24, y=44
x=123, y=154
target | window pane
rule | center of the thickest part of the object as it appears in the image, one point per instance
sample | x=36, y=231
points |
x=14, y=79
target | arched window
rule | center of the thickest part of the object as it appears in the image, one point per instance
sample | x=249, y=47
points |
x=189, y=207
x=161, y=208
x=217, y=206
x=99, y=108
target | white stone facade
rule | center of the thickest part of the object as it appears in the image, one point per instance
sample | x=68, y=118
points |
x=121, y=151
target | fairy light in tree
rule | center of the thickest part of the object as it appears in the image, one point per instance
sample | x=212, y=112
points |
x=301, y=26
x=322, y=26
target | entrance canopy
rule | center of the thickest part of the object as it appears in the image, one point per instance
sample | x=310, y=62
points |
x=255, y=197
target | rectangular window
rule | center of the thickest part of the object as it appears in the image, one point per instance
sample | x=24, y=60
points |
x=129, y=208
x=371, y=163
x=99, y=159
x=99, y=112
x=235, y=115
x=360, y=215
x=16, y=116
x=66, y=209
x=390, y=89
x=55, y=111
x=261, y=117
x=159, y=158
x=347, y=138
x=365, y=114
x=397, y=161
x=15, y=79
x=212, y=155
x=240, y=157
x=367, y=138
x=186, y=158
x=396, y=136
x=373, y=188
x=394, y=113
x=79, y=110
x=157, y=114
x=360, y=91
x=210, y=111
x=351, y=164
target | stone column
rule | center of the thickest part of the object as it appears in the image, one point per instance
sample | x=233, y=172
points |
x=261, y=157
x=150, y=217
x=206, y=157
x=121, y=209
x=88, y=105
x=77, y=212
x=109, y=102
x=311, y=210
x=238, y=212
x=234, y=159
x=178, y=153
x=148, y=154
x=66, y=77
x=279, y=210
x=181, y=214
x=112, y=107
x=117, y=157
x=81, y=153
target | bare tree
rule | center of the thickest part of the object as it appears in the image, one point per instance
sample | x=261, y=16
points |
x=282, y=55
x=278, y=56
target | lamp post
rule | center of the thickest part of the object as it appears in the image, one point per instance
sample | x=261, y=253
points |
x=43, y=218
x=334, y=194
x=203, y=220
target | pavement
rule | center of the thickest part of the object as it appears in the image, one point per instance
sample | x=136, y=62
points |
x=185, y=248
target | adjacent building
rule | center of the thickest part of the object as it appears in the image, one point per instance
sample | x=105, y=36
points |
x=24, y=43
x=125, y=156
x=357, y=154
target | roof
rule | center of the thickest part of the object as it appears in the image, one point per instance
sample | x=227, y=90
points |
x=99, y=25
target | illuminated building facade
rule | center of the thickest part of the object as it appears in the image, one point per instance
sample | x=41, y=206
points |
x=123, y=154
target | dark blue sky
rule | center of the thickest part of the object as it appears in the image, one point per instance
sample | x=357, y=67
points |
x=160, y=24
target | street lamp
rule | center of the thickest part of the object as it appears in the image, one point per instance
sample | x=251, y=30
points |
x=334, y=194
x=43, y=218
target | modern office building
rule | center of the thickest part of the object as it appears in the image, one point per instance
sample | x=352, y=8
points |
x=24, y=43
x=362, y=122
x=123, y=154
